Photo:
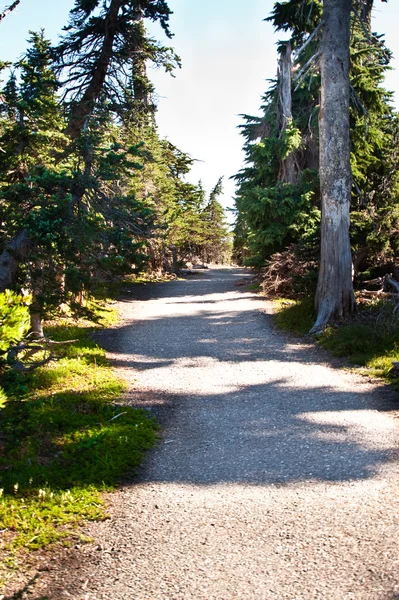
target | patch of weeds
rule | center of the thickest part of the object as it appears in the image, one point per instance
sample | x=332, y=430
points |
x=295, y=316
x=254, y=287
x=365, y=345
x=141, y=278
x=64, y=440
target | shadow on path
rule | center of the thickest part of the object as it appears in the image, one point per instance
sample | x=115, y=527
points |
x=240, y=403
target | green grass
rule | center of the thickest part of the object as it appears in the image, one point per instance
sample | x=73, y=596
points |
x=64, y=440
x=295, y=316
x=369, y=340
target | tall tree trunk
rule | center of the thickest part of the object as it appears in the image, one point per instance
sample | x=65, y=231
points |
x=285, y=68
x=36, y=309
x=335, y=297
x=84, y=107
x=36, y=325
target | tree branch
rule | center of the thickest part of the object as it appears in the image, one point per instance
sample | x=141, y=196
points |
x=310, y=38
x=9, y=9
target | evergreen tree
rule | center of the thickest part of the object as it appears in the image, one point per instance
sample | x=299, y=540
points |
x=70, y=243
x=216, y=246
x=265, y=226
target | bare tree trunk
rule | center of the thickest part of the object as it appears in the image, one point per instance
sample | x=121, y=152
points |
x=335, y=297
x=9, y=9
x=36, y=325
x=37, y=284
x=285, y=68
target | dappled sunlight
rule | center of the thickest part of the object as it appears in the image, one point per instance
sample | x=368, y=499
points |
x=369, y=426
x=242, y=405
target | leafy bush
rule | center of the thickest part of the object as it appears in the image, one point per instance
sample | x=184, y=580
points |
x=3, y=398
x=14, y=318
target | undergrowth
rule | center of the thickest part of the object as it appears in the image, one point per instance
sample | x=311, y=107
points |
x=369, y=339
x=295, y=316
x=64, y=439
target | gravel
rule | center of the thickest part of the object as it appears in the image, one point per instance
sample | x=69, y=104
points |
x=276, y=475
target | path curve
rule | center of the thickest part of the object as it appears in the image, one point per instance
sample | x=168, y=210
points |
x=277, y=474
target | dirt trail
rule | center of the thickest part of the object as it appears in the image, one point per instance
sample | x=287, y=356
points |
x=277, y=475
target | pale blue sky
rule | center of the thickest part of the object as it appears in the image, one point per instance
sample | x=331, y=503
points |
x=228, y=52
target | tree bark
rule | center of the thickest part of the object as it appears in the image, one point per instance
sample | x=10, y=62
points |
x=36, y=325
x=285, y=69
x=335, y=297
x=14, y=252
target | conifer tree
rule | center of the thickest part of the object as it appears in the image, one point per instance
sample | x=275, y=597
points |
x=263, y=228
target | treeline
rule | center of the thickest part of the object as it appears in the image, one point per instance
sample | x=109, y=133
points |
x=89, y=191
x=279, y=199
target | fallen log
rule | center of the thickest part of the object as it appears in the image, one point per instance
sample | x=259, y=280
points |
x=377, y=294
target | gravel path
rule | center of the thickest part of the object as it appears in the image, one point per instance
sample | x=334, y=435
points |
x=277, y=474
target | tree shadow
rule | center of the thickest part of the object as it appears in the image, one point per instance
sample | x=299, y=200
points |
x=269, y=435
x=197, y=284
x=273, y=432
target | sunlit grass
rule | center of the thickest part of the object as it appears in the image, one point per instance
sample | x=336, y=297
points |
x=64, y=439
x=369, y=341
x=295, y=316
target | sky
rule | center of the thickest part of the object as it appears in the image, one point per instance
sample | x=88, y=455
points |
x=228, y=52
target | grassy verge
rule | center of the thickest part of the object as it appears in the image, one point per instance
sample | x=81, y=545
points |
x=294, y=316
x=369, y=340
x=64, y=439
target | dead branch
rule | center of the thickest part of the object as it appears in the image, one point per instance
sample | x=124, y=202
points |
x=9, y=9
x=391, y=281
x=310, y=38
x=306, y=66
x=377, y=294
x=377, y=281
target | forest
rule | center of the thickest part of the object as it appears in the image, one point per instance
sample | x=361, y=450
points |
x=89, y=191
x=322, y=127
x=93, y=200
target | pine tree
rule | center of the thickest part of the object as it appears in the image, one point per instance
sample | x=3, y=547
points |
x=101, y=39
x=216, y=246
x=265, y=227
x=33, y=184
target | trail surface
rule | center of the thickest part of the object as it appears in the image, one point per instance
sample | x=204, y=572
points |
x=277, y=474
